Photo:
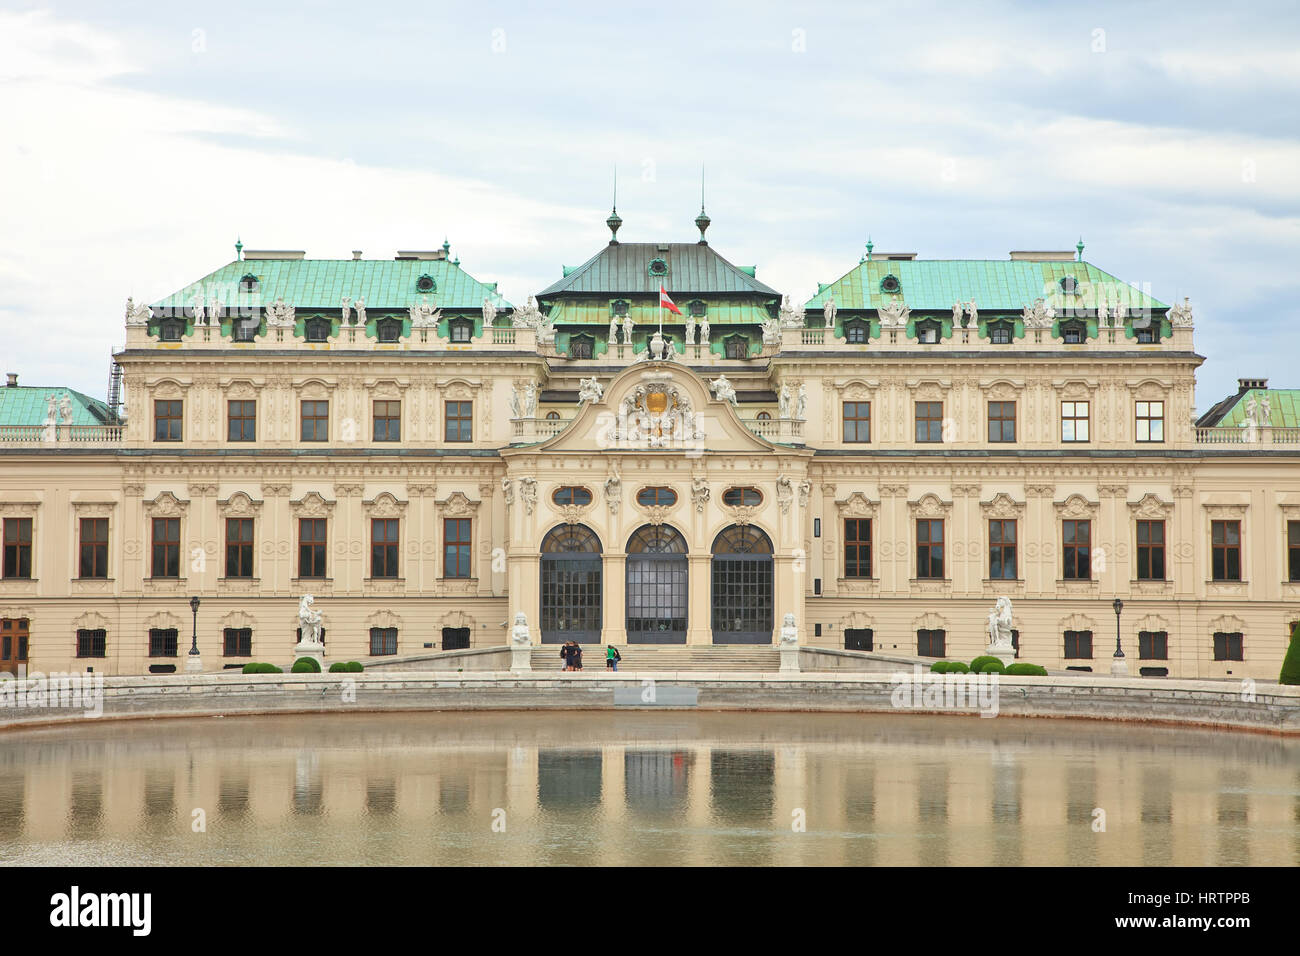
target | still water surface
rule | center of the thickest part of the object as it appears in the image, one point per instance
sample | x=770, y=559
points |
x=645, y=788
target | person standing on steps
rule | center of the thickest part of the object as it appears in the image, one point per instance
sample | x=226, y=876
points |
x=566, y=655
x=612, y=657
x=576, y=656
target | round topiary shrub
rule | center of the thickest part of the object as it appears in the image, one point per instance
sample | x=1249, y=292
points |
x=339, y=667
x=1291, y=663
x=978, y=665
x=306, y=665
x=262, y=668
x=939, y=667
x=957, y=667
x=1019, y=669
x=355, y=667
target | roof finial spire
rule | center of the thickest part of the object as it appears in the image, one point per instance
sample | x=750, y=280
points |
x=239, y=248
x=614, y=221
x=870, y=246
x=1080, y=248
x=702, y=220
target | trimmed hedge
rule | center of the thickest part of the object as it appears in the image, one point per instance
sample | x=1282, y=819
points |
x=346, y=667
x=306, y=665
x=262, y=669
x=1291, y=663
x=987, y=664
x=1019, y=669
x=949, y=667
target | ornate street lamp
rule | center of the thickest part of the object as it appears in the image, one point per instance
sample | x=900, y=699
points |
x=193, y=663
x=1118, y=664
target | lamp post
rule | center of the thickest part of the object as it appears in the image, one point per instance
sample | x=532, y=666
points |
x=193, y=663
x=1118, y=664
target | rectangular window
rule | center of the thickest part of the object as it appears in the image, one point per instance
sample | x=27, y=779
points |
x=237, y=642
x=92, y=643
x=1228, y=646
x=859, y=639
x=1225, y=550
x=1077, y=538
x=18, y=548
x=315, y=421
x=929, y=421
x=388, y=421
x=1293, y=550
x=93, y=556
x=166, y=548
x=1153, y=645
x=383, y=640
x=1002, y=421
x=239, y=547
x=241, y=421
x=383, y=547
x=857, y=422
x=1002, y=549
x=1078, y=645
x=460, y=421
x=167, y=420
x=929, y=547
x=1151, y=550
x=930, y=643
x=311, y=547
x=162, y=642
x=1150, y=421
x=857, y=547
x=455, y=547
x=1074, y=421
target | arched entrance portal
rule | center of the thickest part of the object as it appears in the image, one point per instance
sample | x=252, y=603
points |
x=656, y=586
x=571, y=582
x=742, y=586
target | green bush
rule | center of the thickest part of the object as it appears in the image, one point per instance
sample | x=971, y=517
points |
x=306, y=665
x=957, y=667
x=984, y=664
x=939, y=667
x=346, y=667
x=1291, y=663
x=355, y=667
x=1019, y=669
x=259, y=668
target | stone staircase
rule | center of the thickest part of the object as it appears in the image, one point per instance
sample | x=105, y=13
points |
x=678, y=657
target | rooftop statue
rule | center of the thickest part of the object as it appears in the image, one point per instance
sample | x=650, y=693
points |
x=723, y=390
x=828, y=312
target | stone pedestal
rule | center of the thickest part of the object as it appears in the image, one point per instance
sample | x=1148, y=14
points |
x=1007, y=655
x=193, y=664
x=304, y=649
x=1119, y=666
x=521, y=658
x=789, y=658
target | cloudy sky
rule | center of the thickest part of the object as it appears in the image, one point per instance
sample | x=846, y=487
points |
x=141, y=139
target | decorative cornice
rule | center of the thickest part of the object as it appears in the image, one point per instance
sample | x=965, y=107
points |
x=1002, y=505
x=166, y=505
x=1151, y=506
x=239, y=505
x=384, y=505
x=857, y=505
x=312, y=505
x=458, y=505
x=929, y=506
x=1077, y=506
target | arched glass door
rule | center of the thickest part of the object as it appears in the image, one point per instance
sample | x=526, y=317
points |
x=571, y=585
x=742, y=586
x=656, y=586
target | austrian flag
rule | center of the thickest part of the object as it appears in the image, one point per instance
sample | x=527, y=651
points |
x=667, y=303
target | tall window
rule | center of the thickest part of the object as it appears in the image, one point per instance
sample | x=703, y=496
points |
x=929, y=421
x=388, y=421
x=460, y=330
x=1077, y=536
x=166, y=548
x=1150, y=421
x=1225, y=550
x=162, y=641
x=857, y=547
x=737, y=347
x=18, y=548
x=1000, y=333
x=383, y=547
x=311, y=547
x=383, y=640
x=92, y=642
x=237, y=642
x=1074, y=421
x=1228, y=646
x=1153, y=645
x=239, y=547
x=929, y=547
x=856, y=332
x=94, y=548
x=1151, y=550
x=1293, y=550
x=241, y=421
x=1078, y=645
x=389, y=330
x=455, y=547
x=460, y=421
x=857, y=421
x=930, y=643
x=315, y=421
x=1002, y=421
x=167, y=420
x=581, y=346
x=1002, y=549
x=318, y=329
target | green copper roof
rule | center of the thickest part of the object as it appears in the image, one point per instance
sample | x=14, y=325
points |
x=26, y=405
x=994, y=284
x=322, y=284
x=1284, y=404
x=646, y=312
x=624, y=269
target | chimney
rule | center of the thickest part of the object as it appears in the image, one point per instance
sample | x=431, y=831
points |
x=11, y=380
x=356, y=255
x=1246, y=384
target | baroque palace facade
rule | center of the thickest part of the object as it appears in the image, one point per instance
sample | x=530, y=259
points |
x=426, y=459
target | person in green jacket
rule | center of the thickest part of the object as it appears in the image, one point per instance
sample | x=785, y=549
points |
x=612, y=657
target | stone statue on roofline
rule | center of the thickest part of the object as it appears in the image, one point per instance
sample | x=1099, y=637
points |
x=137, y=314
x=894, y=315
x=360, y=306
x=1180, y=316
x=613, y=330
x=65, y=409
x=489, y=312
x=704, y=331
x=973, y=314
x=590, y=390
x=690, y=330
x=723, y=390
x=956, y=314
x=346, y=308
x=829, y=310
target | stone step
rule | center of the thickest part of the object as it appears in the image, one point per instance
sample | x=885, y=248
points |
x=674, y=658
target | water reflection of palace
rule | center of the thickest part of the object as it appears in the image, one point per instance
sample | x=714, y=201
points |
x=929, y=791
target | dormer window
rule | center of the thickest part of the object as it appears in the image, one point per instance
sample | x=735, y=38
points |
x=929, y=332
x=737, y=347
x=460, y=330
x=890, y=284
x=244, y=328
x=856, y=332
x=1074, y=333
x=1000, y=333
x=697, y=309
x=249, y=283
x=619, y=307
x=1150, y=335
x=581, y=346
x=171, y=330
x=317, y=330
x=389, y=330
x=426, y=283
x=658, y=267
x=1070, y=285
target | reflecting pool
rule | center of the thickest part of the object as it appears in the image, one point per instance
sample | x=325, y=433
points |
x=645, y=788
